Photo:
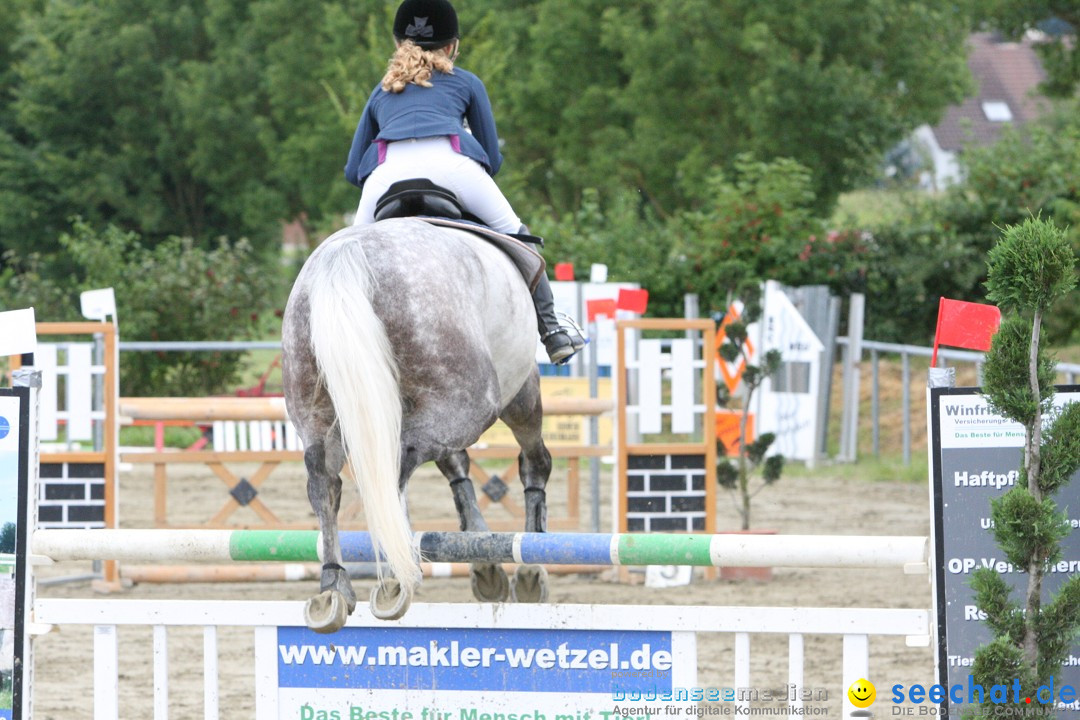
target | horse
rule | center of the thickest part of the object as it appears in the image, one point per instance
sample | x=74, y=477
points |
x=402, y=342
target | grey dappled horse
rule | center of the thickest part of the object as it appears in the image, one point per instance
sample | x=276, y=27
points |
x=402, y=343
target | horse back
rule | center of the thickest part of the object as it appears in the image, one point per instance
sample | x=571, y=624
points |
x=456, y=310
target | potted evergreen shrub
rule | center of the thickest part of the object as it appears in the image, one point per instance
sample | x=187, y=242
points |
x=1030, y=269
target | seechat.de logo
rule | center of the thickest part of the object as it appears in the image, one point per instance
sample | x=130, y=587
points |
x=975, y=693
x=5, y=427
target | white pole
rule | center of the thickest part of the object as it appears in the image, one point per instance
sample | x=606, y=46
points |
x=134, y=545
x=210, y=673
x=106, y=673
x=742, y=670
x=817, y=551
x=161, y=673
x=795, y=674
x=856, y=665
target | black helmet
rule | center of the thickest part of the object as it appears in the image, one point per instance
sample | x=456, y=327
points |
x=430, y=24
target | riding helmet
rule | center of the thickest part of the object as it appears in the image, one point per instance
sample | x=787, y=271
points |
x=431, y=24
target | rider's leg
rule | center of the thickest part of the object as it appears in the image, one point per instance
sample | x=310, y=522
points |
x=482, y=197
x=374, y=187
x=479, y=194
x=556, y=341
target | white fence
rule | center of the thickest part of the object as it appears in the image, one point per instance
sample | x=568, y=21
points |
x=855, y=626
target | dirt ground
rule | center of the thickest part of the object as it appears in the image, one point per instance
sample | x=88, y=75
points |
x=802, y=503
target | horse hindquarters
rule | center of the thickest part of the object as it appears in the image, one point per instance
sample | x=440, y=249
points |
x=356, y=366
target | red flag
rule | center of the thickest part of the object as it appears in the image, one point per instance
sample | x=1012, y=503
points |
x=633, y=300
x=965, y=325
x=595, y=308
x=564, y=271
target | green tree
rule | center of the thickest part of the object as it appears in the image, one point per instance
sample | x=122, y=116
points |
x=666, y=91
x=1030, y=270
x=763, y=218
x=172, y=291
x=750, y=456
x=177, y=118
x=7, y=538
x=211, y=118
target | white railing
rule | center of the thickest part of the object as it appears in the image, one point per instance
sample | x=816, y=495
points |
x=855, y=626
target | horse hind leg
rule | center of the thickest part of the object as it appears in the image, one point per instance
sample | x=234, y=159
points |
x=389, y=600
x=489, y=581
x=328, y=611
x=524, y=416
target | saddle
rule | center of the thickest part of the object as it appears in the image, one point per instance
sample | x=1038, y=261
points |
x=424, y=200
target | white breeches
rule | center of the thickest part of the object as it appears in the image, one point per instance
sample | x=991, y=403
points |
x=435, y=159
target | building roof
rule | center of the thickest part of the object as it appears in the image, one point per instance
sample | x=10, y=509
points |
x=1007, y=77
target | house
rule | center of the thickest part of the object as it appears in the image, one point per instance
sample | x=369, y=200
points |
x=1007, y=77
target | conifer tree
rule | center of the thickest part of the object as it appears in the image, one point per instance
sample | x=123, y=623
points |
x=749, y=456
x=1030, y=269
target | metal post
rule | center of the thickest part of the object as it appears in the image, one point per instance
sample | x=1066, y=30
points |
x=875, y=403
x=849, y=436
x=594, y=433
x=906, y=390
x=827, y=361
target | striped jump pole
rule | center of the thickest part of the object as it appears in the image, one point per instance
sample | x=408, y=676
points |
x=806, y=551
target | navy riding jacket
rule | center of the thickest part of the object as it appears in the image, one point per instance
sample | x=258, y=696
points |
x=420, y=112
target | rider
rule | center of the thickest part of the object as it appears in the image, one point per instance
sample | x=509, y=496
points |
x=413, y=127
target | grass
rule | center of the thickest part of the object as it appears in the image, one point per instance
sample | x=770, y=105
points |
x=887, y=468
x=873, y=208
x=143, y=436
x=256, y=364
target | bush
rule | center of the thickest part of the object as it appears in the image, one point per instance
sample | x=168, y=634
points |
x=909, y=266
x=626, y=235
x=936, y=249
x=174, y=291
x=760, y=223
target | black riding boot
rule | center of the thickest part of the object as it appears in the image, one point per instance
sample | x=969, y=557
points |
x=560, y=347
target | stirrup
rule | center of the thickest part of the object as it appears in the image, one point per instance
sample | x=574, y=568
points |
x=574, y=331
x=575, y=340
x=561, y=353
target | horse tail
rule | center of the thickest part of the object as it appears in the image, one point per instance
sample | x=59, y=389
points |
x=357, y=364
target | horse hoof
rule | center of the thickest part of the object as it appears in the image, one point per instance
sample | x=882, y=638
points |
x=489, y=582
x=326, y=612
x=389, y=601
x=530, y=584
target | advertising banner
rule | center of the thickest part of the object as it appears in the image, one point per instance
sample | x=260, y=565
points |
x=977, y=456
x=395, y=673
x=561, y=430
x=14, y=463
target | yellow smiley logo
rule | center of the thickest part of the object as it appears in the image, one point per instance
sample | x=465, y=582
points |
x=862, y=693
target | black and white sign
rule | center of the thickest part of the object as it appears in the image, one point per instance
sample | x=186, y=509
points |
x=977, y=456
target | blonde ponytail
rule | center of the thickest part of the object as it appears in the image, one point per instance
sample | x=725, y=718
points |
x=413, y=64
